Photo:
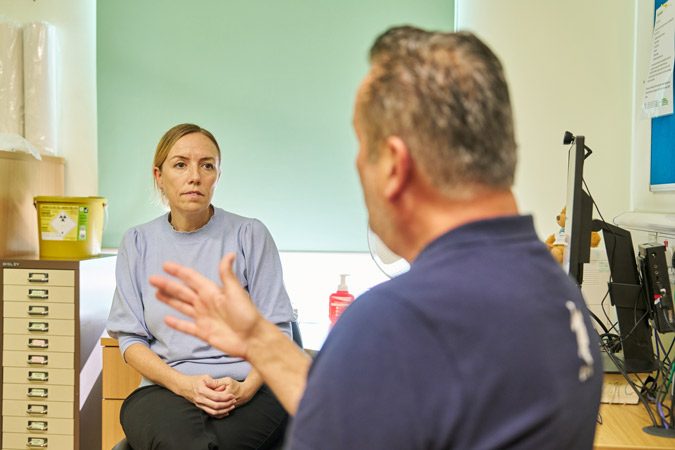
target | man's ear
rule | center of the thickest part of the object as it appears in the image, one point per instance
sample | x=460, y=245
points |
x=398, y=167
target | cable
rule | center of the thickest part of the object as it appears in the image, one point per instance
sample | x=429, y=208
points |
x=641, y=393
x=602, y=325
x=630, y=383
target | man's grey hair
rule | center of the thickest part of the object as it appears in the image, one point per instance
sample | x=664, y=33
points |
x=446, y=97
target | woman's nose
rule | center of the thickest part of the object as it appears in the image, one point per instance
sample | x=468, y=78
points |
x=194, y=175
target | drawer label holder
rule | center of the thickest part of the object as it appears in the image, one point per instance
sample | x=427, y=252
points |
x=37, y=425
x=38, y=277
x=34, y=442
x=38, y=343
x=36, y=409
x=38, y=293
x=38, y=393
x=38, y=310
x=38, y=376
x=38, y=326
x=42, y=360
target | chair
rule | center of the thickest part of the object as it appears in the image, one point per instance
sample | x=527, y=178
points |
x=295, y=331
x=297, y=338
x=122, y=445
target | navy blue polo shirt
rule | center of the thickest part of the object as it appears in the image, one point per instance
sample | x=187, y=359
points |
x=485, y=343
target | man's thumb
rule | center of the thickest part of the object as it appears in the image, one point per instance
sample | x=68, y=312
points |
x=225, y=269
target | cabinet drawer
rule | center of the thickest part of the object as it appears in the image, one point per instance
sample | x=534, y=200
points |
x=41, y=376
x=39, y=277
x=39, y=343
x=37, y=409
x=49, y=294
x=37, y=426
x=23, y=441
x=38, y=360
x=26, y=310
x=27, y=392
x=58, y=327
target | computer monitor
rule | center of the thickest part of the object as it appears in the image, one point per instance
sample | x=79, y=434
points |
x=627, y=296
x=579, y=211
x=625, y=287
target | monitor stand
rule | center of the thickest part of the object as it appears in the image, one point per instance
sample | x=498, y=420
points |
x=660, y=432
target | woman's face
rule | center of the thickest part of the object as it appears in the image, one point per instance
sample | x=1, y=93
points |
x=189, y=175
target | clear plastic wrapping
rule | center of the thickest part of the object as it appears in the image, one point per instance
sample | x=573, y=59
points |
x=39, y=63
x=11, y=79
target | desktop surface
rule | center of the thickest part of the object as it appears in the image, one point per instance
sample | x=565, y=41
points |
x=622, y=427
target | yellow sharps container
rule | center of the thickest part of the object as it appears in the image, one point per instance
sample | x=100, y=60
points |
x=70, y=227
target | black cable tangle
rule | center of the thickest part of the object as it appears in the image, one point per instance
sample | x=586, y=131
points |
x=611, y=342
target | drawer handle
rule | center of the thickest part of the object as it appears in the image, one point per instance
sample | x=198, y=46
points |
x=34, y=310
x=38, y=392
x=38, y=326
x=36, y=409
x=38, y=293
x=37, y=442
x=38, y=376
x=38, y=343
x=37, y=425
x=38, y=277
x=38, y=359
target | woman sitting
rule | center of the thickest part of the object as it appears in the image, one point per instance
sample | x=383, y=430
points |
x=193, y=396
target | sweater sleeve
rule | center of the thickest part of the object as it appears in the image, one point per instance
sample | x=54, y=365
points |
x=264, y=275
x=126, y=321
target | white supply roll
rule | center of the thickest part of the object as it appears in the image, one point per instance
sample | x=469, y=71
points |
x=39, y=58
x=11, y=79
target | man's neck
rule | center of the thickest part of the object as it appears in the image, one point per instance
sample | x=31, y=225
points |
x=432, y=216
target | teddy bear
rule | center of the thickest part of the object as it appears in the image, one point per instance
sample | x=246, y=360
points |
x=556, y=242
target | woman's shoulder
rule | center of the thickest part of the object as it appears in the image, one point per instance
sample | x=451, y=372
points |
x=138, y=234
x=149, y=227
x=237, y=220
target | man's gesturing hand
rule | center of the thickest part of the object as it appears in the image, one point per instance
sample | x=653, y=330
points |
x=223, y=316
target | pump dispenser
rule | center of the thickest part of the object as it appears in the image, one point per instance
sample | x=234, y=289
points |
x=339, y=300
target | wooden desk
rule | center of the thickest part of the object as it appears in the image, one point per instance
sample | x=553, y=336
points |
x=621, y=429
x=119, y=380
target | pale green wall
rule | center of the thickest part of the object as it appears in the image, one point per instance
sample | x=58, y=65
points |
x=273, y=80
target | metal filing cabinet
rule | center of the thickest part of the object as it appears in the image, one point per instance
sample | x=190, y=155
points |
x=54, y=314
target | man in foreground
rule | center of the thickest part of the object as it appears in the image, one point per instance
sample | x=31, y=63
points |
x=484, y=342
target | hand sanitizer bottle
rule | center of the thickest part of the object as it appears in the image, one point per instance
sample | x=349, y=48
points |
x=339, y=301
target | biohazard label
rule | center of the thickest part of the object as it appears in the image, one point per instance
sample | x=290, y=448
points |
x=63, y=222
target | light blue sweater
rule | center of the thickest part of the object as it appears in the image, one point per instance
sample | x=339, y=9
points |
x=138, y=317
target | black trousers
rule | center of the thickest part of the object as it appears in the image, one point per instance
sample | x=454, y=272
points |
x=154, y=418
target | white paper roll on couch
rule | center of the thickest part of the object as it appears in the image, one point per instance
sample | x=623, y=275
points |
x=39, y=57
x=11, y=79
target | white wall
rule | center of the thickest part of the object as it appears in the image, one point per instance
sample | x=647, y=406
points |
x=570, y=67
x=75, y=22
x=310, y=288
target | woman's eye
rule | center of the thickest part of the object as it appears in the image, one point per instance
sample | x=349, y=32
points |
x=180, y=164
x=209, y=166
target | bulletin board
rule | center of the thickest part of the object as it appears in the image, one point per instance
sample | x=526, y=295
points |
x=662, y=166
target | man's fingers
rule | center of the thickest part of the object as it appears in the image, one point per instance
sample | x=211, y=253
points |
x=173, y=289
x=182, y=325
x=179, y=305
x=190, y=276
x=227, y=276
